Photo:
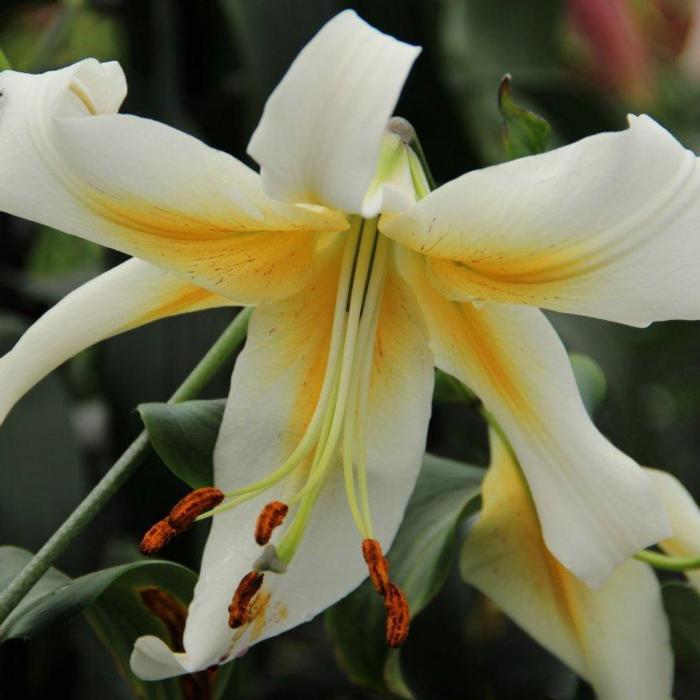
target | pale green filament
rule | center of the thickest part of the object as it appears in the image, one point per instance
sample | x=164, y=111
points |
x=365, y=349
x=327, y=448
x=338, y=426
x=245, y=493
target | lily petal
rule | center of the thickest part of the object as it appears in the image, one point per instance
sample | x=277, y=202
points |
x=67, y=161
x=607, y=227
x=684, y=514
x=129, y=295
x=319, y=137
x=596, y=505
x=616, y=637
x=275, y=385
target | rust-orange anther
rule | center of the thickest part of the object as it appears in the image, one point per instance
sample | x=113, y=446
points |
x=377, y=564
x=185, y=511
x=271, y=516
x=171, y=612
x=398, y=616
x=157, y=537
x=239, y=610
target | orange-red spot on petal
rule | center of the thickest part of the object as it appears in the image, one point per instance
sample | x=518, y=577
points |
x=185, y=511
x=398, y=616
x=239, y=610
x=377, y=564
x=157, y=537
x=271, y=516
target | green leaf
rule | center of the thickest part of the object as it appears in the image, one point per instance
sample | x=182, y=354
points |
x=112, y=600
x=682, y=604
x=184, y=435
x=450, y=390
x=446, y=492
x=4, y=63
x=590, y=379
x=524, y=133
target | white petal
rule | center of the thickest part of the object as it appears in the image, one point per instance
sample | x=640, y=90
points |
x=684, y=515
x=129, y=295
x=273, y=392
x=152, y=660
x=319, y=137
x=616, y=637
x=596, y=505
x=146, y=189
x=607, y=227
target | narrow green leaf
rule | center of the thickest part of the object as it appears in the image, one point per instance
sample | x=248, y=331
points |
x=445, y=493
x=682, y=604
x=590, y=379
x=56, y=597
x=524, y=133
x=450, y=390
x=184, y=435
x=112, y=600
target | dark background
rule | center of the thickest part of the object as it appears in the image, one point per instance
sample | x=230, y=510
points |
x=207, y=67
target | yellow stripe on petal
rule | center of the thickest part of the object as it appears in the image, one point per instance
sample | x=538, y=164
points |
x=616, y=637
x=597, y=507
x=130, y=295
x=147, y=189
x=605, y=227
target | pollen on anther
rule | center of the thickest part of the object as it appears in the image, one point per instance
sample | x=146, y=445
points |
x=271, y=516
x=398, y=616
x=185, y=511
x=170, y=611
x=157, y=537
x=239, y=610
x=377, y=564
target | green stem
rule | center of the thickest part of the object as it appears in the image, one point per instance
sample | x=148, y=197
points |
x=420, y=154
x=667, y=563
x=120, y=471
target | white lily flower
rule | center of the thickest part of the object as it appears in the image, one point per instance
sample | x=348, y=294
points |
x=616, y=637
x=330, y=399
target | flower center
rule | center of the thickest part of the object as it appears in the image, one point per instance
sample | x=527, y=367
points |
x=336, y=433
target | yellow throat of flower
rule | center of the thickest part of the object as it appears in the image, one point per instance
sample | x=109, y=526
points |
x=336, y=432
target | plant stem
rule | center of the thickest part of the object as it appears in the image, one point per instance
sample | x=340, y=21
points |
x=120, y=471
x=668, y=563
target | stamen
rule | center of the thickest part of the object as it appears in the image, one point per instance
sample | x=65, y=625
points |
x=398, y=617
x=157, y=537
x=182, y=515
x=377, y=564
x=239, y=610
x=169, y=610
x=270, y=560
x=270, y=517
x=185, y=511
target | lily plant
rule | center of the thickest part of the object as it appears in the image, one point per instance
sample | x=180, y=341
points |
x=362, y=279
